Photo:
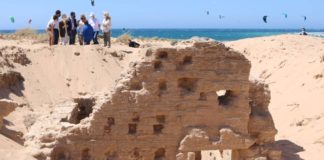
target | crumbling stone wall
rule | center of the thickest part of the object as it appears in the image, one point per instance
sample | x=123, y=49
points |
x=172, y=105
x=261, y=126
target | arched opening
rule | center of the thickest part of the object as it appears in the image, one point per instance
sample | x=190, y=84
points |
x=162, y=87
x=85, y=155
x=203, y=96
x=157, y=65
x=136, y=154
x=110, y=123
x=82, y=110
x=158, y=128
x=132, y=129
x=187, y=85
x=198, y=155
x=60, y=153
x=159, y=154
x=163, y=55
x=225, y=97
x=111, y=155
x=187, y=60
x=217, y=154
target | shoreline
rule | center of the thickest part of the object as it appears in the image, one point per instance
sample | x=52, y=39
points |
x=222, y=35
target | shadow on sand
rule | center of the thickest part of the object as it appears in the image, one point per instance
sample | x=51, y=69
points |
x=12, y=134
x=16, y=89
x=289, y=150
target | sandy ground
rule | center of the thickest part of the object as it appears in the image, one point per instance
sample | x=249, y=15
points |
x=10, y=150
x=292, y=65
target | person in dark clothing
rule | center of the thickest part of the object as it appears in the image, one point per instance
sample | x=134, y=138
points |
x=56, y=34
x=303, y=32
x=72, y=28
x=133, y=44
x=87, y=32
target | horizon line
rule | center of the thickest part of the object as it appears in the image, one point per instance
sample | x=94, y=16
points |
x=243, y=28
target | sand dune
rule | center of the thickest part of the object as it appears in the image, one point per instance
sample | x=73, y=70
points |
x=293, y=66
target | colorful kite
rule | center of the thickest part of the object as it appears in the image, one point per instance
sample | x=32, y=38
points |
x=12, y=19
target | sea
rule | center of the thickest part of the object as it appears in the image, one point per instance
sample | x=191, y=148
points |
x=217, y=34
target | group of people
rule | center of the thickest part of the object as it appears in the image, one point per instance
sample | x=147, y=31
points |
x=68, y=28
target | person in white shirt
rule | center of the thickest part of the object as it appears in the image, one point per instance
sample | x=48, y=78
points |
x=96, y=27
x=50, y=29
x=106, y=29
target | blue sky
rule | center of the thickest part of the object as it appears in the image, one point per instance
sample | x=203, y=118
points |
x=171, y=13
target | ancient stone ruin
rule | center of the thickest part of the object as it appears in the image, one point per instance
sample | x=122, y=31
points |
x=172, y=105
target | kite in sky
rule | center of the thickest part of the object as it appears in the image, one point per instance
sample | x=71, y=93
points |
x=221, y=17
x=305, y=18
x=12, y=19
x=285, y=14
x=265, y=19
x=92, y=2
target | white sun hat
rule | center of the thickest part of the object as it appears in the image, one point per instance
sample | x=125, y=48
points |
x=92, y=14
x=106, y=14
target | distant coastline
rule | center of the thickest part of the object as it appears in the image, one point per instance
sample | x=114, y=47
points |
x=217, y=34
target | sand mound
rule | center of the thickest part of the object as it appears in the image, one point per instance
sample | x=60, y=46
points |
x=293, y=67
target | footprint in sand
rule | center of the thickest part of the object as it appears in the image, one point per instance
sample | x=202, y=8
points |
x=282, y=64
x=265, y=75
x=318, y=76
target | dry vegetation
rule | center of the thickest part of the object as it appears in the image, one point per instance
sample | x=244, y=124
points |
x=27, y=33
x=124, y=38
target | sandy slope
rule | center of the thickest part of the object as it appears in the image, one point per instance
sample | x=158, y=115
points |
x=293, y=66
x=11, y=150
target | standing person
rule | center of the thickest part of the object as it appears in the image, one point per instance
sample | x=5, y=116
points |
x=63, y=29
x=80, y=28
x=96, y=27
x=87, y=32
x=56, y=28
x=50, y=29
x=106, y=29
x=72, y=28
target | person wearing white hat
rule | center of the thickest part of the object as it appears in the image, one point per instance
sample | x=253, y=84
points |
x=106, y=29
x=63, y=25
x=96, y=27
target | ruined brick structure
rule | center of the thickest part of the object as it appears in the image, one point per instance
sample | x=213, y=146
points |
x=172, y=105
